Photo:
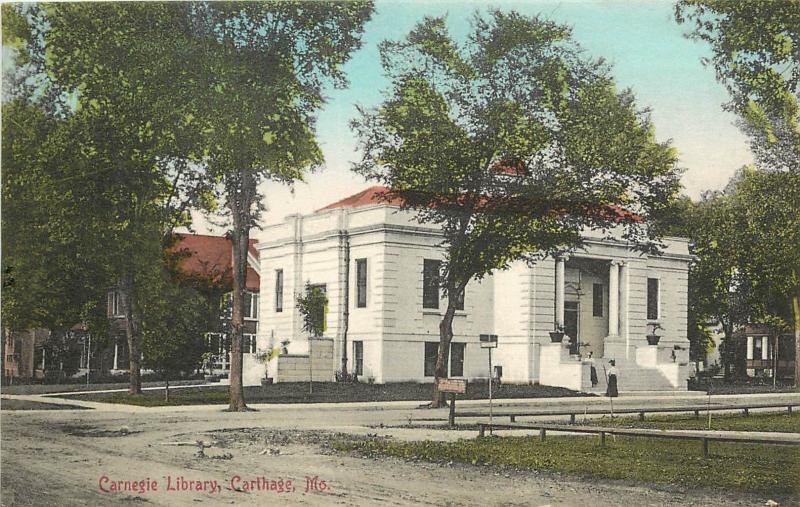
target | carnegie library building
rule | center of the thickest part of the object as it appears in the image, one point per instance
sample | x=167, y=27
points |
x=379, y=269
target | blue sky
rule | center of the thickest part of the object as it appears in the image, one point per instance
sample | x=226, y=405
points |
x=640, y=39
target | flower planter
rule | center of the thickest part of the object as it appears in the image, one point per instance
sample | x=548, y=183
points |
x=267, y=381
x=556, y=336
x=652, y=339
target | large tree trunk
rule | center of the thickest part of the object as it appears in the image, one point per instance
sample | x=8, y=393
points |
x=131, y=332
x=445, y=337
x=240, y=238
x=796, y=311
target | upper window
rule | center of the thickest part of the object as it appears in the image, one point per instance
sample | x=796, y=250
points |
x=459, y=300
x=597, y=300
x=430, y=283
x=653, y=296
x=114, y=304
x=278, y=290
x=361, y=283
x=250, y=305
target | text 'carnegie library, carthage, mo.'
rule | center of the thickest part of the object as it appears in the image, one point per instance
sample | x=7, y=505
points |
x=182, y=484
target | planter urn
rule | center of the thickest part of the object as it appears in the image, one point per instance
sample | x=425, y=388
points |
x=652, y=339
x=556, y=336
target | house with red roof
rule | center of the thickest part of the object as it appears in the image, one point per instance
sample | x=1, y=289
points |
x=379, y=268
x=205, y=260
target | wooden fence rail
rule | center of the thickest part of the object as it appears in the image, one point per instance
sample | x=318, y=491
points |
x=704, y=437
x=696, y=409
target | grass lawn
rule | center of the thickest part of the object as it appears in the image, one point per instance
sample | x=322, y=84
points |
x=324, y=392
x=35, y=405
x=782, y=422
x=772, y=470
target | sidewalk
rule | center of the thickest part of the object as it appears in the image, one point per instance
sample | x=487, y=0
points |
x=626, y=399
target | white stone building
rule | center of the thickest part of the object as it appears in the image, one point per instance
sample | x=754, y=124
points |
x=376, y=265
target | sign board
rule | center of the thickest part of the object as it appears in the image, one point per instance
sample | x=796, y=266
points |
x=452, y=385
x=488, y=341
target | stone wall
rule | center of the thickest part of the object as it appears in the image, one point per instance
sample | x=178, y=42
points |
x=296, y=368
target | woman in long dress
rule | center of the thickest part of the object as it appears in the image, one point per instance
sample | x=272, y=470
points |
x=611, y=390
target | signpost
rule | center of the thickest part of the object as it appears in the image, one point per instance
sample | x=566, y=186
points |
x=452, y=386
x=489, y=341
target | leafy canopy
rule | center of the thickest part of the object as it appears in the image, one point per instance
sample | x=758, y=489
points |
x=511, y=140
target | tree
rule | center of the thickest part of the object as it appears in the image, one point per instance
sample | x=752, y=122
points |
x=514, y=143
x=175, y=320
x=312, y=305
x=263, y=71
x=54, y=271
x=119, y=71
x=756, y=55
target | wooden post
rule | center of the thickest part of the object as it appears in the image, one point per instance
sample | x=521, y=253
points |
x=789, y=408
x=746, y=411
x=602, y=439
x=572, y=418
x=697, y=414
x=641, y=416
x=542, y=433
x=452, y=418
x=705, y=447
x=513, y=418
x=481, y=430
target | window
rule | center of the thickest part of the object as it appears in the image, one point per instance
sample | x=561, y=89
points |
x=597, y=300
x=431, y=351
x=430, y=284
x=324, y=317
x=248, y=343
x=250, y=305
x=457, y=359
x=361, y=283
x=278, y=290
x=459, y=300
x=358, y=358
x=652, y=299
x=114, y=304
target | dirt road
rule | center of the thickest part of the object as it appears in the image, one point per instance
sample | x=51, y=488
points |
x=89, y=457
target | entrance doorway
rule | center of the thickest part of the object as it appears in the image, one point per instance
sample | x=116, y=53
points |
x=571, y=325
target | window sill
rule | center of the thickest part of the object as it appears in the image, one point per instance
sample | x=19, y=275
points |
x=440, y=313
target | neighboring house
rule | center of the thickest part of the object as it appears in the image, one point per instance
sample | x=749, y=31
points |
x=24, y=356
x=203, y=257
x=211, y=258
x=761, y=359
x=379, y=268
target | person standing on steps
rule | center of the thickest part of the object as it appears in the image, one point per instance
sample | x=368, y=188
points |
x=611, y=390
x=592, y=370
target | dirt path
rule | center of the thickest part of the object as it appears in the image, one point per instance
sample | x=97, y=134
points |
x=58, y=457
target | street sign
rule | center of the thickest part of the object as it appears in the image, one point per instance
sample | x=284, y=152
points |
x=488, y=341
x=452, y=385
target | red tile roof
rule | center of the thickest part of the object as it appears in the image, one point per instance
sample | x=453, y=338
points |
x=372, y=195
x=377, y=195
x=213, y=256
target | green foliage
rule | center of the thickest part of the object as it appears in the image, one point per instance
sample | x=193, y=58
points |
x=175, y=320
x=313, y=305
x=516, y=98
x=755, y=46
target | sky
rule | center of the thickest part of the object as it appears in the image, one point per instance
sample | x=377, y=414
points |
x=642, y=42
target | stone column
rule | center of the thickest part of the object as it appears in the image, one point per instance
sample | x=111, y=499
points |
x=613, y=299
x=749, y=347
x=623, y=306
x=560, y=261
x=116, y=353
